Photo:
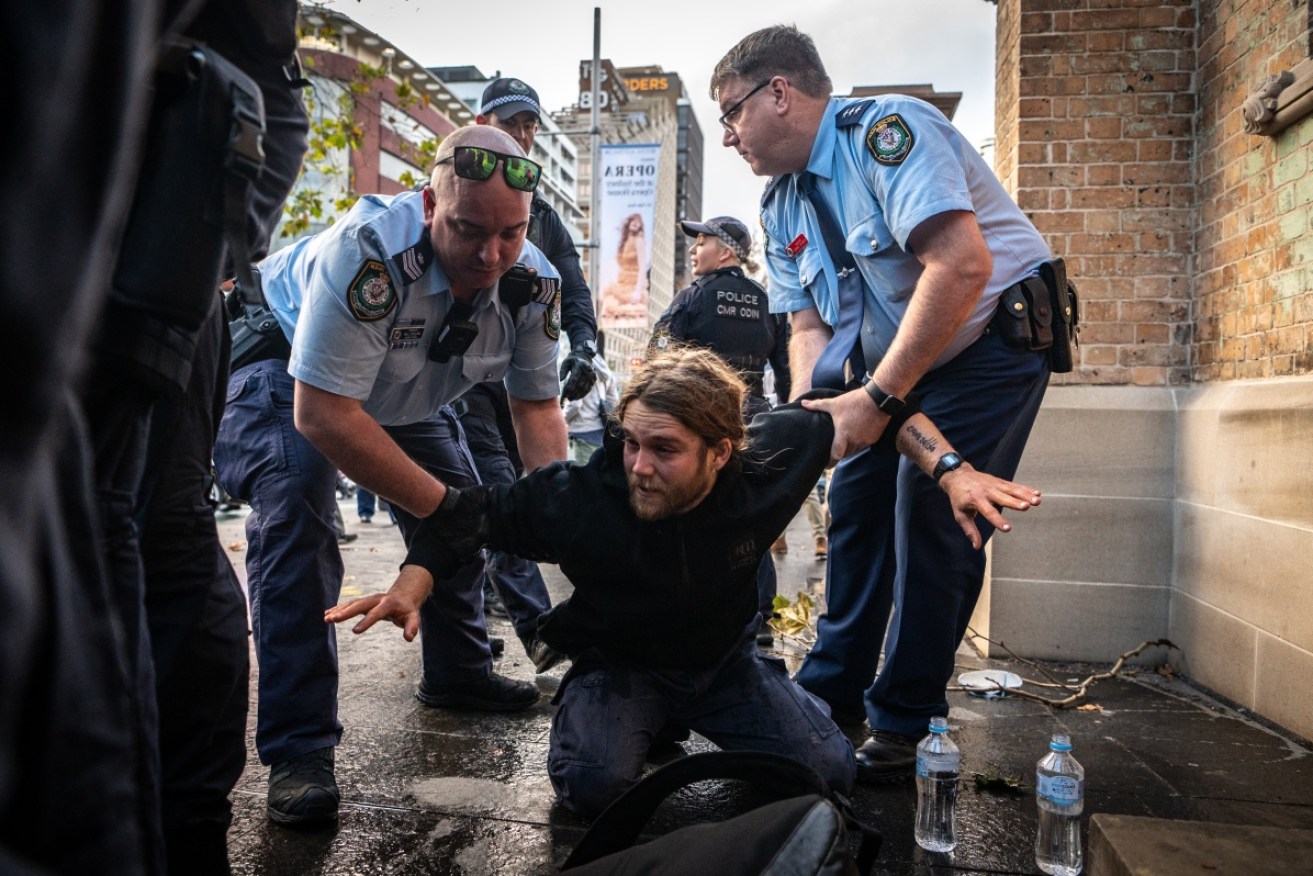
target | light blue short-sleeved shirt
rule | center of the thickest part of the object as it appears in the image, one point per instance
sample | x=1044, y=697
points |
x=884, y=166
x=362, y=302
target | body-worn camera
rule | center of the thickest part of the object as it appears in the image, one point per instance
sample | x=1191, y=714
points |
x=517, y=286
x=455, y=334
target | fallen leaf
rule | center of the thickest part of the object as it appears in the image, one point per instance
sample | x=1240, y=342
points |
x=1090, y=707
x=1165, y=670
x=991, y=784
x=237, y=546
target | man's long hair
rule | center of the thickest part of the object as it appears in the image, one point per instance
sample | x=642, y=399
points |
x=694, y=386
x=782, y=50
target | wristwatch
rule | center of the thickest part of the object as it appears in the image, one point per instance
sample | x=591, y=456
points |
x=950, y=461
x=887, y=403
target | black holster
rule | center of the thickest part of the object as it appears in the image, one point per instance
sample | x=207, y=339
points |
x=1039, y=313
x=256, y=334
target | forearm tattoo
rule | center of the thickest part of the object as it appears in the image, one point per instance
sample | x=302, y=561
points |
x=925, y=441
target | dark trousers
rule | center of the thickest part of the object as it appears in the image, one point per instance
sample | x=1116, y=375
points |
x=894, y=545
x=517, y=580
x=196, y=613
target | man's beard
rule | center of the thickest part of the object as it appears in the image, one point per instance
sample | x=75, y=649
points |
x=664, y=500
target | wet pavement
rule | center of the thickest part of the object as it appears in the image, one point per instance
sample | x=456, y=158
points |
x=440, y=792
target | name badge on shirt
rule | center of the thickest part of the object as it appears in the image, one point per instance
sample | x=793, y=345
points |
x=798, y=245
x=407, y=333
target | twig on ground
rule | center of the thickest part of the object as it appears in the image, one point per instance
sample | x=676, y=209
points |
x=1076, y=691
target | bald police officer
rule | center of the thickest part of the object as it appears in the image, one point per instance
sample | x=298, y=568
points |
x=391, y=314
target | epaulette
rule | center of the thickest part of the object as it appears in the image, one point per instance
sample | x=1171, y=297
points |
x=852, y=114
x=412, y=262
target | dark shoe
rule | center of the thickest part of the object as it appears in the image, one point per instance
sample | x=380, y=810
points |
x=346, y=537
x=497, y=644
x=543, y=655
x=492, y=603
x=496, y=693
x=886, y=757
x=302, y=792
x=765, y=637
x=365, y=518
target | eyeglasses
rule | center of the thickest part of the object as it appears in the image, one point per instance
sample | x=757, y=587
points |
x=738, y=105
x=478, y=163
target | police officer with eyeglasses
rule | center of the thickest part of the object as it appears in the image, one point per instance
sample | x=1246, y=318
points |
x=391, y=314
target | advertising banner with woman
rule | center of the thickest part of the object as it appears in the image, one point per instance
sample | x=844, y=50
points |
x=627, y=204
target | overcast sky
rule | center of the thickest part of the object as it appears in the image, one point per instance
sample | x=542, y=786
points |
x=945, y=43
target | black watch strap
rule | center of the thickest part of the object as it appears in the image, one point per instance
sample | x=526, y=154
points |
x=889, y=404
x=950, y=461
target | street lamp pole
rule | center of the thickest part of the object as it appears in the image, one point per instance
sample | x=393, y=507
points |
x=595, y=147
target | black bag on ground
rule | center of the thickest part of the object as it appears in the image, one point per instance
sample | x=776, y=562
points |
x=805, y=833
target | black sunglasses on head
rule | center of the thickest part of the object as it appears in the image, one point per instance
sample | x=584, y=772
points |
x=478, y=163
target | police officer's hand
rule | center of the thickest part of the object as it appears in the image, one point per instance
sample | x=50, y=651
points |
x=400, y=604
x=974, y=492
x=858, y=423
x=450, y=536
x=577, y=374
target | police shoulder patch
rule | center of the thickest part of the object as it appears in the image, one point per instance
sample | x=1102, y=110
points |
x=890, y=140
x=371, y=295
x=552, y=317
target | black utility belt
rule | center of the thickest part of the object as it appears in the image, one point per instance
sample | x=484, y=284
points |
x=1040, y=314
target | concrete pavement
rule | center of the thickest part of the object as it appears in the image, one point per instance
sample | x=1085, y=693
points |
x=437, y=792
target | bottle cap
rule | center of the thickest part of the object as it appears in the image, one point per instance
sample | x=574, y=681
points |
x=1060, y=742
x=938, y=725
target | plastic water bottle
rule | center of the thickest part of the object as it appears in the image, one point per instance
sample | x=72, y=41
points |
x=1060, y=792
x=937, y=765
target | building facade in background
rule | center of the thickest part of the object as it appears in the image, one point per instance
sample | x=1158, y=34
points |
x=376, y=116
x=553, y=148
x=625, y=119
x=1165, y=150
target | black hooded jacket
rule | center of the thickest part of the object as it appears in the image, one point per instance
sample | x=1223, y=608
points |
x=673, y=593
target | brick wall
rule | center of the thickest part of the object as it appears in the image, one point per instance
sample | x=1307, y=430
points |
x=1253, y=298
x=1102, y=158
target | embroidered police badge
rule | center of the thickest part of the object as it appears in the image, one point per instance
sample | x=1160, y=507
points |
x=552, y=317
x=889, y=140
x=370, y=294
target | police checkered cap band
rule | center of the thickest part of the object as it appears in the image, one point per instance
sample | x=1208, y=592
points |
x=727, y=230
x=516, y=94
x=528, y=102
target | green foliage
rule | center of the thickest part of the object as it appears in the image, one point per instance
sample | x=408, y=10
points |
x=335, y=135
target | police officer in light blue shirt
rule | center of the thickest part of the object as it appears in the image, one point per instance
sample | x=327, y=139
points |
x=392, y=313
x=891, y=244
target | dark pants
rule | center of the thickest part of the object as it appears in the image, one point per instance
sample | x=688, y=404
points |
x=518, y=581
x=607, y=716
x=894, y=544
x=197, y=617
x=294, y=567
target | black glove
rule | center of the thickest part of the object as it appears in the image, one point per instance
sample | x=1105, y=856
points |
x=452, y=535
x=577, y=373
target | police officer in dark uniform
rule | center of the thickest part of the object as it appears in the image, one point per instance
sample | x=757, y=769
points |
x=512, y=106
x=727, y=312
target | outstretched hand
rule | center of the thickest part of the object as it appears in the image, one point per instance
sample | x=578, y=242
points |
x=400, y=604
x=973, y=492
